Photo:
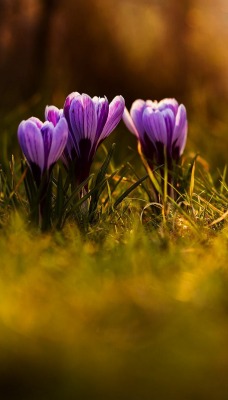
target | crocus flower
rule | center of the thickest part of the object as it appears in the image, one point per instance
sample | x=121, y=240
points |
x=42, y=144
x=158, y=125
x=90, y=121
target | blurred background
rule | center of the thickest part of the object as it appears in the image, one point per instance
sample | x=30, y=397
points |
x=137, y=48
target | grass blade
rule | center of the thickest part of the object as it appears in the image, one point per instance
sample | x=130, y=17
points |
x=129, y=190
x=98, y=186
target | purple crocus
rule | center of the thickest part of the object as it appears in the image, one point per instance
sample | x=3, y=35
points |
x=158, y=126
x=90, y=121
x=42, y=144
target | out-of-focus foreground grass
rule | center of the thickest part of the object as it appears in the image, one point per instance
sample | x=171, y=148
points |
x=123, y=315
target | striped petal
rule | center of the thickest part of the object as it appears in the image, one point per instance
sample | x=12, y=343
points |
x=180, y=129
x=83, y=118
x=116, y=109
x=102, y=109
x=136, y=113
x=76, y=115
x=47, y=133
x=155, y=127
x=90, y=117
x=31, y=142
x=170, y=123
x=67, y=104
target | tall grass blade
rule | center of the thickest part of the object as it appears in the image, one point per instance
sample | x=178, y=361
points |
x=76, y=191
x=150, y=172
x=192, y=180
x=129, y=190
x=98, y=186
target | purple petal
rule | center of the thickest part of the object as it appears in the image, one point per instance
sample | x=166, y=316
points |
x=83, y=119
x=31, y=142
x=129, y=122
x=36, y=121
x=76, y=115
x=67, y=104
x=136, y=113
x=151, y=103
x=53, y=114
x=155, y=127
x=47, y=133
x=102, y=109
x=180, y=129
x=172, y=104
x=116, y=109
x=90, y=117
x=59, y=140
x=170, y=123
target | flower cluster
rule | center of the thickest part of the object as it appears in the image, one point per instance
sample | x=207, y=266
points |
x=74, y=133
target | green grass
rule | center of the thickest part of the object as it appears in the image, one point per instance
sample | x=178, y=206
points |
x=132, y=307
